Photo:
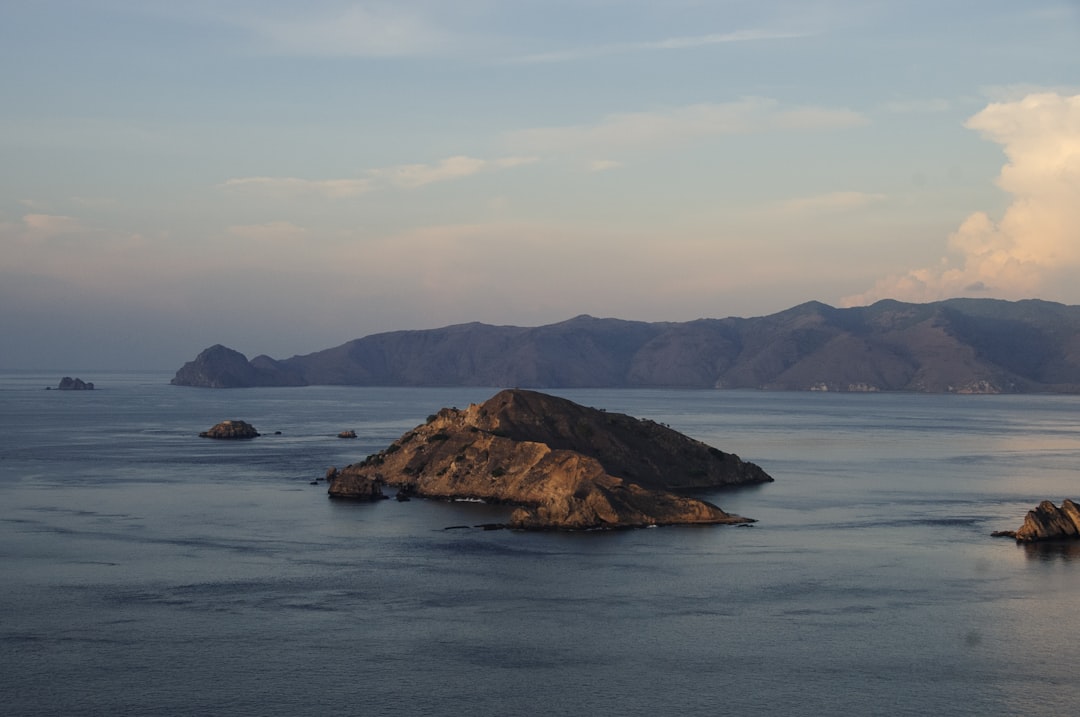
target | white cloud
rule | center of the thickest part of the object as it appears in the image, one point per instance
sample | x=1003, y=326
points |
x=671, y=43
x=831, y=202
x=678, y=125
x=1035, y=246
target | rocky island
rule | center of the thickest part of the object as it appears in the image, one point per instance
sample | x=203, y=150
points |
x=1047, y=522
x=67, y=383
x=231, y=430
x=564, y=465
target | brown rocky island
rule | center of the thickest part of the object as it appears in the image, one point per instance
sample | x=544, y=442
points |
x=564, y=465
x=1047, y=522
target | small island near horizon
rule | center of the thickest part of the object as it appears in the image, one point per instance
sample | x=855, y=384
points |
x=67, y=383
x=564, y=466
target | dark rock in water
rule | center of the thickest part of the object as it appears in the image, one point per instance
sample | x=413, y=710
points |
x=347, y=434
x=565, y=465
x=228, y=430
x=67, y=383
x=1047, y=522
x=358, y=488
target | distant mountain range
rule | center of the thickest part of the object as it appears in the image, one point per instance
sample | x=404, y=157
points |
x=953, y=346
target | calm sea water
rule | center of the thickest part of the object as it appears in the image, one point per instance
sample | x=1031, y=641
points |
x=146, y=571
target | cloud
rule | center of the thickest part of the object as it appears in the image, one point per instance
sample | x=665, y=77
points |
x=678, y=125
x=831, y=202
x=1035, y=247
x=365, y=30
x=671, y=43
x=406, y=176
x=40, y=226
x=294, y=186
x=411, y=176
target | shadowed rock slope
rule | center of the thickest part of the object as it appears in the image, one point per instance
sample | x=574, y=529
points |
x=954, y=346
x=565, y=465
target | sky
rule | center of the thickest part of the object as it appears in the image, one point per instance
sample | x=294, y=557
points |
x=282, y=177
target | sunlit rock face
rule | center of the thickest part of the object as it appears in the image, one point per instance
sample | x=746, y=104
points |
x=566, y=466
x=1047, y=522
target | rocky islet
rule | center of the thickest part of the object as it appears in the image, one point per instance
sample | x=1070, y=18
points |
x=564, y=466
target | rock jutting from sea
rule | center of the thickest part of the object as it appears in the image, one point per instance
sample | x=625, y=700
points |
x=231, y=430
x=564, y=465
x=1047, y=522
x=67, y=383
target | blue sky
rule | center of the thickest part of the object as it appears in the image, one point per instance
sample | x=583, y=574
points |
x=281, y=177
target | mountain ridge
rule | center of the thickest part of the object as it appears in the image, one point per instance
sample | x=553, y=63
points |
x=950, y=346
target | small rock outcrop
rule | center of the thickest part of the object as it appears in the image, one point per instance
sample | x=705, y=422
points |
x=347, y=434
x=1047, y=522
x=356, y=488
x=564, y=465
x=230, y=430
x=67, y=383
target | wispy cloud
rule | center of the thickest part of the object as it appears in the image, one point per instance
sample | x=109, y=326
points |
x=677, y=125
x=672, y=43
x=295, y=186
x=411, y=176
x=405, y=176
x=1033, y=248
x=370, y=29
x=50, y=225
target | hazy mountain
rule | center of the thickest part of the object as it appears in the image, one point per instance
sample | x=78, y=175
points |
x=959, y=345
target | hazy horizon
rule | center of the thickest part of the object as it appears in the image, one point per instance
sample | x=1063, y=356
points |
x=282, y=179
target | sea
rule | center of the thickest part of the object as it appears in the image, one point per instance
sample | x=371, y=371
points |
x=147, y=571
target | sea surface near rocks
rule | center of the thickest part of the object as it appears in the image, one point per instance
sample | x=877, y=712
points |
x=147, y=571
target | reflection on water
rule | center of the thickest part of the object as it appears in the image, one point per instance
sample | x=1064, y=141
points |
x=1052, y=550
